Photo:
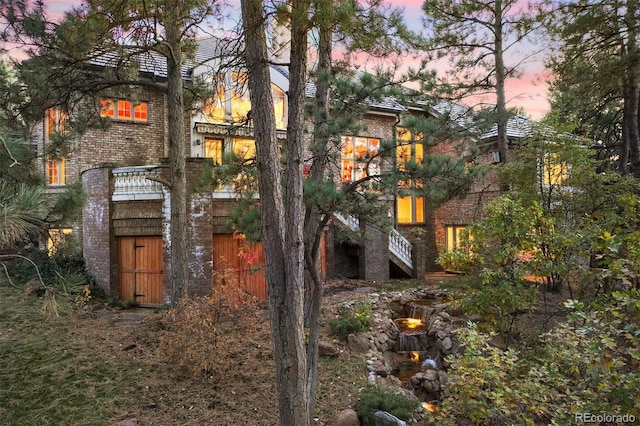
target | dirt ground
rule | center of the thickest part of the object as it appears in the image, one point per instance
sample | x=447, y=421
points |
x=242, y=390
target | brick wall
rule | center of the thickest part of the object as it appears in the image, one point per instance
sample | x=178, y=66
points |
x=374, y=254
x=99, y=248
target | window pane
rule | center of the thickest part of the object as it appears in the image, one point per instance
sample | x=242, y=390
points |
x=107, y=108
x=240, y=101
x=419, y=153
x=124, y=110
x=216, y=108
x=140, y=112
x=278, y=106
x=419, y=209
x=347, y=170
x=245, y=148
x=57, y=172
x=213, y=148
x=361, y=147
x=404, y=210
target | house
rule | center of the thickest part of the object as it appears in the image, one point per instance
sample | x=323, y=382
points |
x=125, y=227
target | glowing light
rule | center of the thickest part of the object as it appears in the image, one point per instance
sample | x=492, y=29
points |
x=413, y=323
x=430, y=407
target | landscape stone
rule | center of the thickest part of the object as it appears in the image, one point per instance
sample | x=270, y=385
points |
x=346, y=417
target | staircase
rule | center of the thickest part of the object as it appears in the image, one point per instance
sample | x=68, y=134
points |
x=399, y=247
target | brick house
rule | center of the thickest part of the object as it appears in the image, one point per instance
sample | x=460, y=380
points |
x=125, y=226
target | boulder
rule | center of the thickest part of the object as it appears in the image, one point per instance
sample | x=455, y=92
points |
x=327, y=349
x=358, y=343
x=346, y=417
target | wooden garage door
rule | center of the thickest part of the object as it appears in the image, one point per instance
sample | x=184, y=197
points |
x=248, y=270
x=141, y=270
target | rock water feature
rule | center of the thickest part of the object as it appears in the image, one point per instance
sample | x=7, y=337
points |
x=411, y=334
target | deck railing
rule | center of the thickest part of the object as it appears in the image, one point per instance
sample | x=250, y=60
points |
x=398, y=244
x=137, y=183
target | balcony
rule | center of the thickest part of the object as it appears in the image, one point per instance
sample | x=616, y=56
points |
x=137, y=183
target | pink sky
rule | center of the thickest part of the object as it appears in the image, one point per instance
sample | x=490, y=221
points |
x=528, y=93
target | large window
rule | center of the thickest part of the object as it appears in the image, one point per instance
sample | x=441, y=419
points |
x=56, y=168
x=359, y=158
x=232, y=103
x=409, y=208
x=122, y=109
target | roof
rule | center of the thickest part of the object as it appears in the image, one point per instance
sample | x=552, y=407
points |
x=517, y=127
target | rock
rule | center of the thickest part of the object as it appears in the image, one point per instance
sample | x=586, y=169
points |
x=346, y=417
x=406, y=298
x=447, y=343
x=358, y=343
x=327, y=349
x=431, y=375
x=382, y=418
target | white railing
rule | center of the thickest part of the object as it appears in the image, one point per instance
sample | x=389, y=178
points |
x=352, y=222
x=401, y=247
x=398, y=244
x=137, y=183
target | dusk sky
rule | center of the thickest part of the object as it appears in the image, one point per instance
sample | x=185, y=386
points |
x=528, y=92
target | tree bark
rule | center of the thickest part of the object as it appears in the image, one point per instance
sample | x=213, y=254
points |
x=177, y=158
x=501, y=102
x=314, y=221
x=282, y=236
x=632, y=90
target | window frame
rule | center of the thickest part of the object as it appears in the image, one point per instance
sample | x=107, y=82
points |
x=56, y=170
x=232, y=92
x=363, y=164
x=124, y=110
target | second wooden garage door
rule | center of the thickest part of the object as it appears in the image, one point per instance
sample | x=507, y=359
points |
x=230, y=263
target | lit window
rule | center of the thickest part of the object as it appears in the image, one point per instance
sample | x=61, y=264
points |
x=140, y=112
x=216, y=108
x=555, y=172
x=56, y=170
x=454, y=236
x=56, y=122
x=124, y=110
x=107, y=109
x=57, y=237
x=240, y=101
x=213, y=148
x=232, y=101
x=279, y=106
x=245, y=149
x=410, y=208
x=359, y=158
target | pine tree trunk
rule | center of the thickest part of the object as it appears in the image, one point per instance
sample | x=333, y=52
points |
x=282, y=237
x=632, y=100
x=314, y=220
x=501, y=102
x=177, y=162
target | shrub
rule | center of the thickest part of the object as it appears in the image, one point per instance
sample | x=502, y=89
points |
x=589, y=364
x=199, y=325
x=353, y=319
x=373, y=399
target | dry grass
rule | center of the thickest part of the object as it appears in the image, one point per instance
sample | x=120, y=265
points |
x=95, y=367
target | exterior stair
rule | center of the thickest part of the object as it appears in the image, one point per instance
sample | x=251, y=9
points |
x=399, y=247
